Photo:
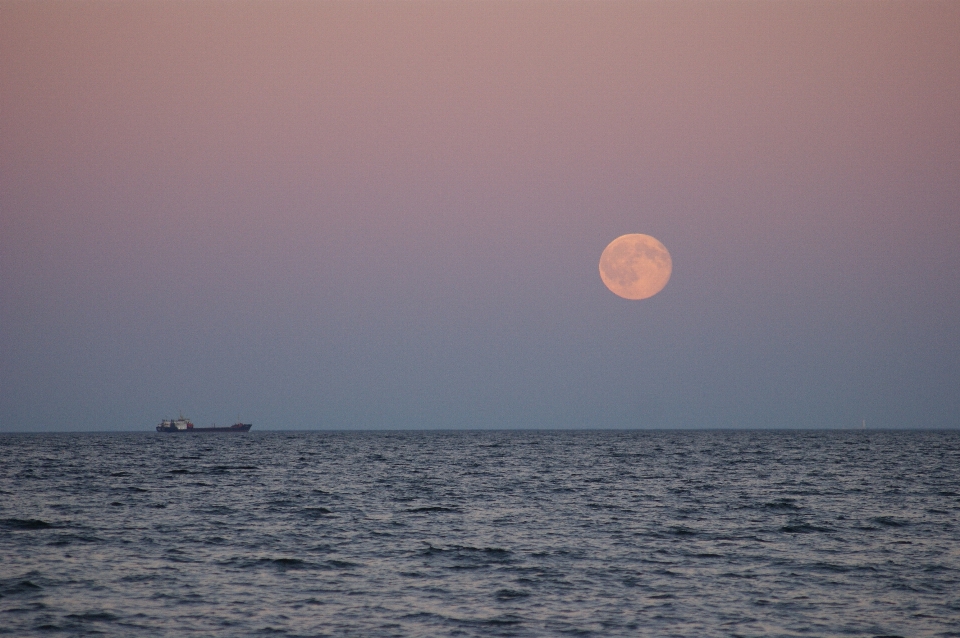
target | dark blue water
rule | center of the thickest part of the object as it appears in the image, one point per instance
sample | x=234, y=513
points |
x=725, y=533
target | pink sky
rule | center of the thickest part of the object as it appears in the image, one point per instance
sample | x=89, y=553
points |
x=361, y=215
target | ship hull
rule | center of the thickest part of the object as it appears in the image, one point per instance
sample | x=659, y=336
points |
x=239, y=427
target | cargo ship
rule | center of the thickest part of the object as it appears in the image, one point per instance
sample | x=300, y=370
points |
x=184, y=425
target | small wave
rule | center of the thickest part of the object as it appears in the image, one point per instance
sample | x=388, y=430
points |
x=23, y=587
x=283, y=563
x=138, y=578
x=432, y=508
x=781, y=504
x=831, y=567
x=605, y=506
x=465, y=551
x=25, y=523
x=747, y=576
x=101, y=616
x=803, y=528
x=890, y=521
x=863, y=527
x=69, y=539
x=287, y=563
x=494, y=551
x=511, y=594
x=290, y=564
x=502, y=621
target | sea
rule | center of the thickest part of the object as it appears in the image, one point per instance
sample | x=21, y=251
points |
x=481, y=533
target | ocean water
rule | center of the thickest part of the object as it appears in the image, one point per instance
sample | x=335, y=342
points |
x=591, y=533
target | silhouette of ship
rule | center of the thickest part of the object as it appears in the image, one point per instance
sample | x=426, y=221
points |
x=184, y=425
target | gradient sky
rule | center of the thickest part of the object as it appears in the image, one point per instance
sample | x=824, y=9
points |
x=355, y=215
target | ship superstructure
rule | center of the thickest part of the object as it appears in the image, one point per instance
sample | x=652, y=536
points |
x=175, y=425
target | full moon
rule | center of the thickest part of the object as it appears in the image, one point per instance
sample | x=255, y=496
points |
x=635, y=266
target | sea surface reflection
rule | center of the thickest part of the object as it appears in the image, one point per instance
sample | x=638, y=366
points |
x=719, y=533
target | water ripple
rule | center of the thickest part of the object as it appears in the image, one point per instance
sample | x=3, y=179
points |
x=481, y=534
